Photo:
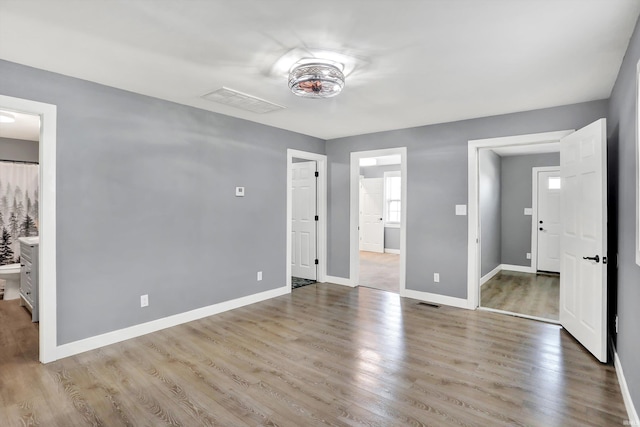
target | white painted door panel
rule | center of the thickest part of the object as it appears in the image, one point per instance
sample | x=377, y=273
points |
x=583, y=282
x=372, y=230
x=303, y=238
x=549, y=224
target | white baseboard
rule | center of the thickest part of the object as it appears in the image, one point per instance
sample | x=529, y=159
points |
x=436, y=298
x=484, y=279
x=339, y=281
x=113, y=337
x=392, y=251
x=519, y=268
x=626, y=396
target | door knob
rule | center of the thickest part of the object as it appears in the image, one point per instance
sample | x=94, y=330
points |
x=592, y=258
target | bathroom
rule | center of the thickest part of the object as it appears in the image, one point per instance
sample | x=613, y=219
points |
x=19, y=198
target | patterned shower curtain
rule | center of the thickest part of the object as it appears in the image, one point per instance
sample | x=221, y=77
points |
x=18, y=207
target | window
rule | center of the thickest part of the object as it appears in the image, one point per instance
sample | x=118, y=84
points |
x=392, y=198
x=554, y=183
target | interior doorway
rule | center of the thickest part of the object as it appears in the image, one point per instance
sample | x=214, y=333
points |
x=378, y=198
x=306, y=218
x=583, y=241
x=512, y=203
x=46, y=271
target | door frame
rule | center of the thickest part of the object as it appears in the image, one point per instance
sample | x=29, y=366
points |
x=47, y=291
x=534, y=217
x=473, y=243
x=354, y=242
x=321, y=197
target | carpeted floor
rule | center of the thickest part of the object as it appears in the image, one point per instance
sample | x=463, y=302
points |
x=380, y=271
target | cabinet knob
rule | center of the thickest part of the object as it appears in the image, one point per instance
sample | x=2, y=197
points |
x=28, y=293
x=27, y=272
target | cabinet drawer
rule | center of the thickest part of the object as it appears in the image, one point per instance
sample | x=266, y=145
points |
x=26, y=252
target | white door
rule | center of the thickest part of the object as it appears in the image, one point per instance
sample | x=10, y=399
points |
x=372, y=230
x=303, y=227
x=549, y=225
x=583, y=280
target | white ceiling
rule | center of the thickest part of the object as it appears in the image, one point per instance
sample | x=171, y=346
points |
x=417, y=61
x=25, y=127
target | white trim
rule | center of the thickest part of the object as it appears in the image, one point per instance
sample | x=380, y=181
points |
x=473, y=243
x=624, y=389
x=534, y=206
x=339, y=281
x=354, y=241
x=435, y=298
x=48, y=331
x=518, y=268
x=321, y=238
x=392, y=251
x=113, y=337
x=490, y=275
x=524, y=316
x=637, y=159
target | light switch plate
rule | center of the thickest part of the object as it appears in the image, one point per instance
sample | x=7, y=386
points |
x=528, y=211
x=239, y=191
x=461, y=209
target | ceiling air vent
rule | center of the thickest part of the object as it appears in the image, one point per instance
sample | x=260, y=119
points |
x=242, y=101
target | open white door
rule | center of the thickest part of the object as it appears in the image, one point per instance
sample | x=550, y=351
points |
x=583, y=280
x=372, y=230
x=303, y=223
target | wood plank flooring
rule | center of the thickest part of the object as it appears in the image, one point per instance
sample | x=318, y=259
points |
x=380, y=271
x=322, y=355
x=526, y=293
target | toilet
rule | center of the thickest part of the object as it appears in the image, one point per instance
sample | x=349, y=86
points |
x=11, y=275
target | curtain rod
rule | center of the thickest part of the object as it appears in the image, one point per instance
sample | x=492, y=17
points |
x=19, y=161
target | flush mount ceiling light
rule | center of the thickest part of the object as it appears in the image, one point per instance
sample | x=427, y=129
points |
x=6, y=117
x=316, y=78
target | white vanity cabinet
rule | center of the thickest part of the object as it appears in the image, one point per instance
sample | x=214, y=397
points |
x=29, y=274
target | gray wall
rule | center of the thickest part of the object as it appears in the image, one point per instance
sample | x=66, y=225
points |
x=146, y=205
x=391, y=234
x=516, y=195
x=437, y=181
x=622, y=176
x=490, y=210
x=18, y=150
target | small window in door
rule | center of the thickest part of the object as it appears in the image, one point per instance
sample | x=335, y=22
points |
x=554, y=183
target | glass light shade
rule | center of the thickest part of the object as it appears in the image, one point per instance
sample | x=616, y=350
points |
x=316, y=80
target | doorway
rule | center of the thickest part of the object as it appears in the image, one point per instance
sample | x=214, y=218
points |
x=583, y=249
x=509, y=203
x=378, y=219
x=306, y=218
x=47, y=326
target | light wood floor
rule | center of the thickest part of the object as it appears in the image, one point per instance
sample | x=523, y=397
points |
x=322, y=355
x=380, y=271
x=526, y=293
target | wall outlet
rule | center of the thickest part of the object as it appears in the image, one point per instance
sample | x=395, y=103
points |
x=528, y=255
x=436, y=277
x=239, y=191
x=144, y=300
x=259, y=276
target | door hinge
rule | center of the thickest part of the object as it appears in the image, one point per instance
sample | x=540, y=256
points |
x=317, y=218
x=317, y=174
x=316, y=262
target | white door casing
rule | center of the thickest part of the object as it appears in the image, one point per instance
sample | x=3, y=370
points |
x=303, y=223
x=583, y=282
x=360, y=223
x=549, y=222
x=372, y=230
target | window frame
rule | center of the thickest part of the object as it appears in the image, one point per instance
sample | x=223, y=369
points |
x=387, y=223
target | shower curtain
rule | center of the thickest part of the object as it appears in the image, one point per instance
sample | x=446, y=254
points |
x=18, y=207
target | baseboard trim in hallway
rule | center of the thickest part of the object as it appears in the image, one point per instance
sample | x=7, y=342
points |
x=624, y=389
